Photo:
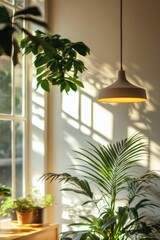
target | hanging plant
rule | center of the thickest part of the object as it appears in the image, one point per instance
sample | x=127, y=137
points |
x=10, y=24
x=56, y=60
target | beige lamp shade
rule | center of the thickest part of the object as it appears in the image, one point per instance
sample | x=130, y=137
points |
x=122, y=91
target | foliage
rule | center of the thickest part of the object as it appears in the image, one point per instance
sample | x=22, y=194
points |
x=26, y=204
x=10, y=24
x=6, y=206
x=56, y=60
x=40, y=200
x=5, y=191
x=21, y=204
x=110, y=169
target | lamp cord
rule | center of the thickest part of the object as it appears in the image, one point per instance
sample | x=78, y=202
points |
x=121, y=35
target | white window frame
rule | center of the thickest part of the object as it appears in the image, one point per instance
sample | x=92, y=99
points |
x=30, y=132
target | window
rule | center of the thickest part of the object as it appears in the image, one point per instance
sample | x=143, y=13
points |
x=20, y=112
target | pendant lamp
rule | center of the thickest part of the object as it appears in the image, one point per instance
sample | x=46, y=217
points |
x=122, y=91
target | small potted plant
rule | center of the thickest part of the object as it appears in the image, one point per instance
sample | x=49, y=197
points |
x=24, y=209
x=40, y=202
x=23, y=206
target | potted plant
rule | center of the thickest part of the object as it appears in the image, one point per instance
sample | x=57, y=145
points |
x=24, y=209
x=110, y=170
x=23, y=206
x=40, y=202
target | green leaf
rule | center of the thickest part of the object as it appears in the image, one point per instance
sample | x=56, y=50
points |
x=39, y=33
x=43, y=75
x=6, y=40
x=68, y=65
x=40, y=70
x=67, y=87
x=40, y=60
x=24, y=42
x=78, y=66
x=36, y=21
x=72, y=86
x=81, y=48
x=30, y=10
x=52, y=64
x=77, y=82
x=28, y=49
x=4, y=15
x=45, y=85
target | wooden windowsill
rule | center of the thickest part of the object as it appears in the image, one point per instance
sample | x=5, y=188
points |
x=11, y=230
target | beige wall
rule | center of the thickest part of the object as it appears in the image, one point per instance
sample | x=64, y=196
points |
x=78, y=117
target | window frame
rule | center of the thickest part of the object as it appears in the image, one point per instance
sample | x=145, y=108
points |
x=27, y=119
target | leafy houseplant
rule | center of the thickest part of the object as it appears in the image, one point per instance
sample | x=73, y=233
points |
x=56, y=60
x=31, y=203
x=40, y=202
x=23, y=206
x=24, y=210
x=110, y=169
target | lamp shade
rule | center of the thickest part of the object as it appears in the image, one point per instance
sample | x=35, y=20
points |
x=122, y=91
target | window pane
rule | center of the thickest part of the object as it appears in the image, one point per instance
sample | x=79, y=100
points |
x=5, y=83
x=18, y=78
x=5, y=152
x=20, y=3
x=18, y=90
x=10, y=1
x=40, y=4
x=19, y=157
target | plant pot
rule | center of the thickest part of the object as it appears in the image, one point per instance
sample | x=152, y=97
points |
x=13, y=215
x=24, y=217
x=38, y=214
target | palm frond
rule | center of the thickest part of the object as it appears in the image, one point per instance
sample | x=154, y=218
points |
x=83, y=186
x=109, y=170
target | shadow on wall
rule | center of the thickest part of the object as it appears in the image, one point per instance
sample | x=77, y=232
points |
x=83, y=118
x=87, y=119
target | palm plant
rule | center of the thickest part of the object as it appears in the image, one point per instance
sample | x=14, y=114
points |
x=110, y=169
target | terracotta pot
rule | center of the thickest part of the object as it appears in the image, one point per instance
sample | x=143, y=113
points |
x=24, y=217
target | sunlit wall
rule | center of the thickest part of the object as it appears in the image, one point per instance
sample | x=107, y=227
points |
x=77, y=117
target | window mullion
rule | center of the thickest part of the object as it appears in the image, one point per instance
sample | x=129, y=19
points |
x=13, y=157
